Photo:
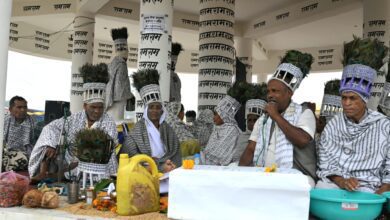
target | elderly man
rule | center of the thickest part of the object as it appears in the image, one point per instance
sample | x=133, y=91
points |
x=284, y=135
x=152, y=135
x=92, y=117
x=18, y=135
x=354, y=149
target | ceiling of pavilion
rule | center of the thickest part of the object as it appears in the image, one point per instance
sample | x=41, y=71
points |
x=329, y=23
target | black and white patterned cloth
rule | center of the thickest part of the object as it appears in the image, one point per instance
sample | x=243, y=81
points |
x=203, y=126
x=283, y=147
x=51, y=134
x=137, y=142
x=242, y=142
x=175, y=90
x=18, y=135
x=221, y=145
x=176, y=124
x=360, y=150
x=118, y=87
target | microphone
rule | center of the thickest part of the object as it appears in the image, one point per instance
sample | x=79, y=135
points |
x=266, y=116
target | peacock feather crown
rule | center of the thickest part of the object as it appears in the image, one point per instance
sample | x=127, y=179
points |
x=146, y=81
x=95, y=78
x=362, y=59
x=293, y=68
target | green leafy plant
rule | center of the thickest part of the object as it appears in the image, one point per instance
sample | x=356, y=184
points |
x=103, y=183
x=241, y=91
x=259, y=91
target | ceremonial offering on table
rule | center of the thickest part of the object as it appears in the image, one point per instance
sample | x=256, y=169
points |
x=94, y=148
x=36, y=198
x=221, y=192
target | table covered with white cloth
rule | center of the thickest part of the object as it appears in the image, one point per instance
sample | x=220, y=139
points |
x=218, y=192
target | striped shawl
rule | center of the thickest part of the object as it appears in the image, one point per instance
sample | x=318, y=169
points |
x=137, y=142
x=354, y=150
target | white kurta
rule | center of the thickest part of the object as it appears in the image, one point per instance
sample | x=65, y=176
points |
x=51, y=134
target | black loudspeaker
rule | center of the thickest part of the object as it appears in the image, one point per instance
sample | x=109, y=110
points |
x=55, y=110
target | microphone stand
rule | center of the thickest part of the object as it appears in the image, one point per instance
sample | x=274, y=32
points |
x=61, y=148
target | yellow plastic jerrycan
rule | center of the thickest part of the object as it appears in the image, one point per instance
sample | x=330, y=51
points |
x=137, y=189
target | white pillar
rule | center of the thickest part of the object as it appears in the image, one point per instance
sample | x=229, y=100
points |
x=216, y=51
x=5, y=18
x=154, y=50
x=83, y=37
x=244, y=54
x=376, y=15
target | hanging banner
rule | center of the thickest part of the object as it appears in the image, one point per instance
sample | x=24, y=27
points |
x=153, y=24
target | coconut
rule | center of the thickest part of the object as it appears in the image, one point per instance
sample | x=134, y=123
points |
x=50, y=200
x=32, y=198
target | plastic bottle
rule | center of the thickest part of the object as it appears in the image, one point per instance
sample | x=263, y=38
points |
x=131, y=174
x=197, y=159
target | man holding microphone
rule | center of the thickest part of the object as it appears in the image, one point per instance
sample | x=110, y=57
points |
x=285, y=134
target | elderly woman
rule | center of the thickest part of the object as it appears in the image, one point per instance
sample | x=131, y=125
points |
x=221, y=146
x=152, y=135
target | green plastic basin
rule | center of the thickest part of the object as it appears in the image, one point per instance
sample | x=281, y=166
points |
x=387, y=195
x=336, y=204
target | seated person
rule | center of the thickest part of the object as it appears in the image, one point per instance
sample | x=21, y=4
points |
x=190, y=117
x=354, y=149
x=285, y=135
x=189, y=145
x=19, y=129
x=203, y=127
x=222, y=143
x=152, y=135
x=45, y=150
x=254, y=109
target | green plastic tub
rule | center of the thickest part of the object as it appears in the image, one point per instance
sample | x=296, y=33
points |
x=387, y=195
x=337, y=204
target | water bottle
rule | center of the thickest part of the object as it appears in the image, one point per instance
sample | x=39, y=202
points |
x=197, y=159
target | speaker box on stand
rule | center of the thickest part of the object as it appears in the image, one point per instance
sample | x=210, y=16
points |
x=55, y=110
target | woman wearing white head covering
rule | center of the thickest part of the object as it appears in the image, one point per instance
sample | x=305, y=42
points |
x=152, y=135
